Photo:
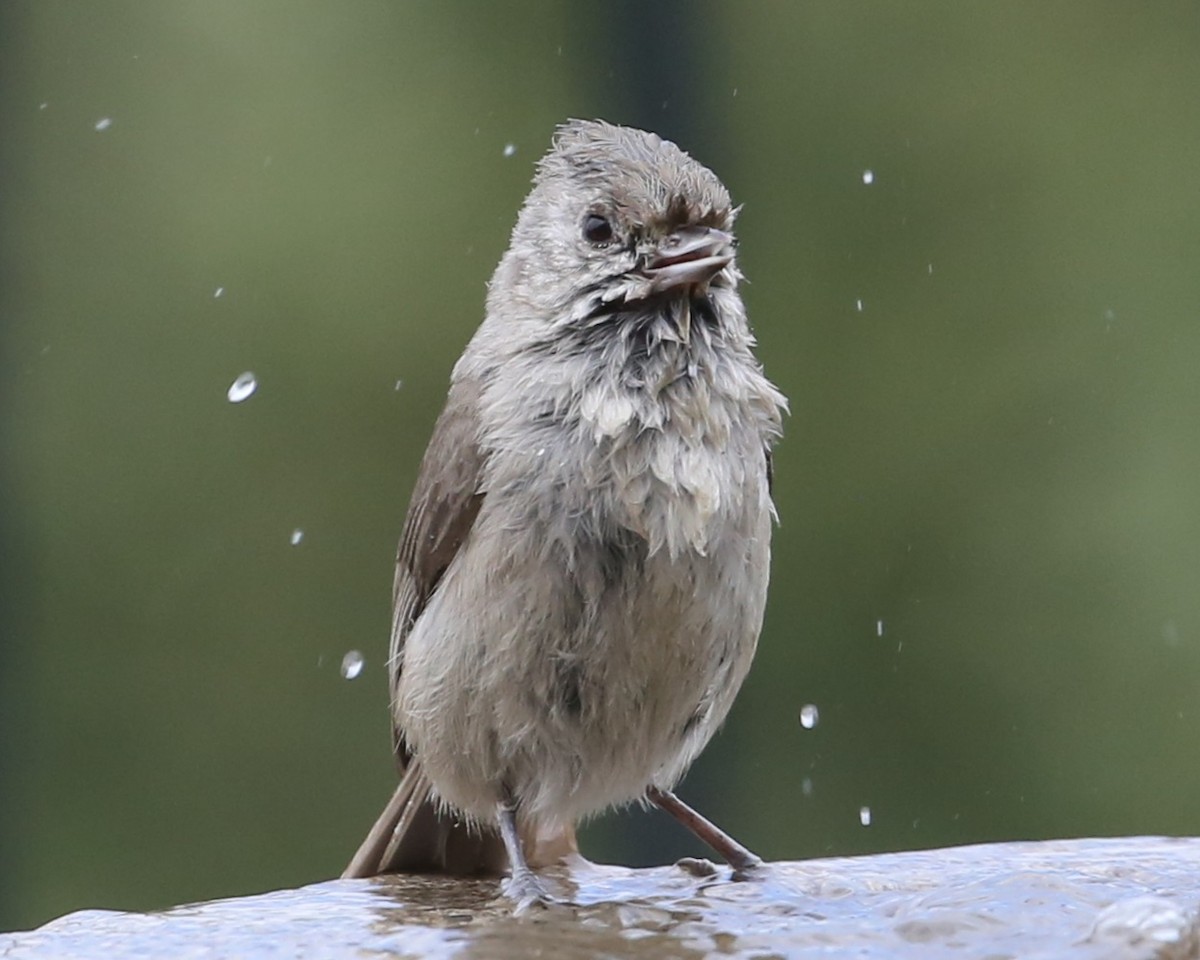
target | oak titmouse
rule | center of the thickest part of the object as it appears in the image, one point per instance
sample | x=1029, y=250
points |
x=581, y=579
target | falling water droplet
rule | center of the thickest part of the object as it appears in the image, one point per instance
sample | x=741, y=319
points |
x=103, y=124
x=510, y=149
x=297, y=536
x=399, y=384
x=242, y=387
x=858, y=305
x=879, y=628
x=352, y=664
x=868, y=176
x=864, y=816
x=218, y=293
x=809, y=715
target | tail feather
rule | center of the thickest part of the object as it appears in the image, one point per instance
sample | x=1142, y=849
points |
x=383, y=840
x=412, y=836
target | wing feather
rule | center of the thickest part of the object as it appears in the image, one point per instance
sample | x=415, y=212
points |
x=445, y=502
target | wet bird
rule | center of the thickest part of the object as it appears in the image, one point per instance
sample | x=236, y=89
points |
x=581, y=579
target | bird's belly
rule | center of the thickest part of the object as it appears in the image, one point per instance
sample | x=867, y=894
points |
x=587, y=671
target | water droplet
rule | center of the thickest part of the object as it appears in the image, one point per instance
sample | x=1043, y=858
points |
x=879, y=628
x=868, y=176
x=864, y=816
x=541, y=452
x=735, y=91
x=352, y=664
x=399, y=384
x=242, y=387
x=809, y=715
x=806, y=786
x=43, y=105
x=930, y=269
x=297, y=536
x=103, y=124
x=858, y=305
x=218, y=293
x=510, y=149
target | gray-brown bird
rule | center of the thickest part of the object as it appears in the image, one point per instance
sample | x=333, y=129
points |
x=582, y=575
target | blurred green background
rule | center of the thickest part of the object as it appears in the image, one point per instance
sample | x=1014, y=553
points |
x=987, y=575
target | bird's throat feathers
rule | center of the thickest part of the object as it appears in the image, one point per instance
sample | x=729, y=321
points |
x=647, y=417
x=658, y=356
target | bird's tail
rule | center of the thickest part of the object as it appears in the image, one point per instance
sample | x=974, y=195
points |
x=412, y=836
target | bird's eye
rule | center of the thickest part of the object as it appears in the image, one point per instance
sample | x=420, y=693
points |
x=597, y=229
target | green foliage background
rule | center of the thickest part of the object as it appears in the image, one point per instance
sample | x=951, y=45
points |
x=993, y=462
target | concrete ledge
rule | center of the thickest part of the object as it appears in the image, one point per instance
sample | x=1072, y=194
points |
x=1114, y=898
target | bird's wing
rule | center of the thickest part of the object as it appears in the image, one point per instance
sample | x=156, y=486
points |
x=412, y=834
x=444, y=505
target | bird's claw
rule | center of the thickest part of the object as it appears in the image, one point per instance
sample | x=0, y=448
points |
x=527, y=890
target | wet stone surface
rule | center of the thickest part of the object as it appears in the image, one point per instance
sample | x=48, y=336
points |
x=1116, y=898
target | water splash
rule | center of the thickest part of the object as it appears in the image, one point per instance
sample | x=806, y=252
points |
x=242, y=388
x=352, y=664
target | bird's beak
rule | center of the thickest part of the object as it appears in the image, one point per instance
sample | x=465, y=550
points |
x=689, y=256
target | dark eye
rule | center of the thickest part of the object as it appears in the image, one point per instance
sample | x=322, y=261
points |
x=596, y=229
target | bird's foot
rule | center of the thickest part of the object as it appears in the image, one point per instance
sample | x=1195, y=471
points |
x=751, y=868
x=529, y=892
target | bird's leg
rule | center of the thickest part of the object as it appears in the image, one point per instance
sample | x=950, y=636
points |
x=523, y=885
x=743, y=861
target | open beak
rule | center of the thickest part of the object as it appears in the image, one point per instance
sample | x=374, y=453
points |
x=689, y=256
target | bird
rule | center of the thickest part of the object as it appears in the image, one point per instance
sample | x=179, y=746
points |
x=582, y=575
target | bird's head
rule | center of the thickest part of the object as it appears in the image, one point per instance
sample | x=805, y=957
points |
x=617, y=217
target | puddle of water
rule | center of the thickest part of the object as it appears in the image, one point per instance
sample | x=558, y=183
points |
x=1117, y=898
